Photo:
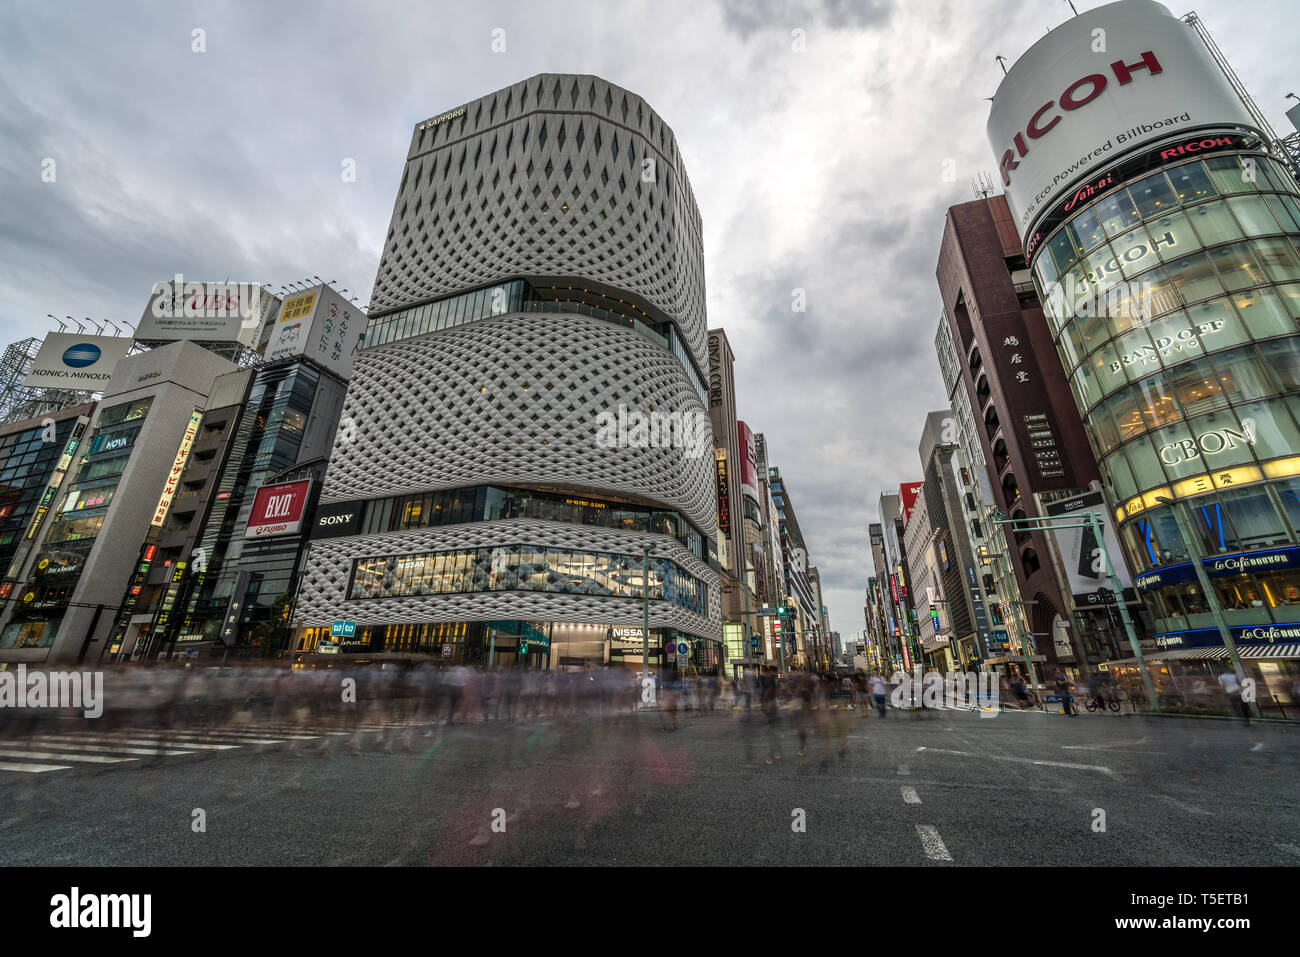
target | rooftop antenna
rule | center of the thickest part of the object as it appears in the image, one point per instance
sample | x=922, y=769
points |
x=1002, y=62
x=1071, y=3
x=982, y=185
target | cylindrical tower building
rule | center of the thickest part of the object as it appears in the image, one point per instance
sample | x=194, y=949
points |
x=1164, y=238
x=528, y=416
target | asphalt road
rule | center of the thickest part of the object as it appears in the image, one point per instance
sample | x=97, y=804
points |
x=945, y=788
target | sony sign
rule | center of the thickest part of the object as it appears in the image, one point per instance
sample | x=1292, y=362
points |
x=1098, y=87
x=343, y=518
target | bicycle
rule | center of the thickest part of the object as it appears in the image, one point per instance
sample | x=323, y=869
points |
x=1096, y=702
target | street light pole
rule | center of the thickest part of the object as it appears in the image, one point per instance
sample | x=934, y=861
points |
x=1211, y=596
x=645, y=612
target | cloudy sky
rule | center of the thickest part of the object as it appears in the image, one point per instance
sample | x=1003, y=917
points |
x=818, y=160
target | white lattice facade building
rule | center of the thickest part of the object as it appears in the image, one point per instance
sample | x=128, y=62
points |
x=543, y=275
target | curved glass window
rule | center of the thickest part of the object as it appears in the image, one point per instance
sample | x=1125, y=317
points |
x=1195, y=277
x=1116, y=212
x=526, y=568
x=1153, y=195
x=1214, y=223
x=1238, y=267
x=1278, y=257
x=1191, y=183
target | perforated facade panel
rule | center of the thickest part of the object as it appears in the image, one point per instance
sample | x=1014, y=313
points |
x=483, y=198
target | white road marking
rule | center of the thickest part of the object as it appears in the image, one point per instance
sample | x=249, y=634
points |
x=933, y=843
x=60, y=746
x=1181, y=806
x=1007, y=757
x=910, y=796
x=32, y=768
x=48, y=755
x=1103, y=747
x=150, y=743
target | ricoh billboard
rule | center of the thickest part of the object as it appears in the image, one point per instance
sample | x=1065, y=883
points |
x=1103, y=84
x=206, y=312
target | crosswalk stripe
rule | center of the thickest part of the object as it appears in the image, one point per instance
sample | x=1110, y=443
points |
x=62, y=746
x=47, y=755
x=32, y=768
x=233, y=741
x=222, y=735
x=148, y=742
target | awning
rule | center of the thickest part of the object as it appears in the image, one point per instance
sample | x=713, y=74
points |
x=1216, y=653
x=1013, y=659
x=1271, y=651
x=1203, y=654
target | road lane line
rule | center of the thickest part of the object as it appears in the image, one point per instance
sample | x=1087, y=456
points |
x=910, y=796
x=1007, y=757
x=1183, y=807
x=933, y=843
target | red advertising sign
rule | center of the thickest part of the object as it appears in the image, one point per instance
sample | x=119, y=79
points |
x=277, y=509
x=748, y=461
x=907, y=496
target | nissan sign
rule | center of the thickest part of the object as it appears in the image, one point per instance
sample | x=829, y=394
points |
x=1103, y=84
x=278, y=509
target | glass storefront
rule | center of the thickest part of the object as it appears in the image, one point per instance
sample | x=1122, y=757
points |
x=1174, y=301
x=525, y=568
x=486, y=503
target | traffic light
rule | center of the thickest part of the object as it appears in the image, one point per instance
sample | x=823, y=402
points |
x=780, y=610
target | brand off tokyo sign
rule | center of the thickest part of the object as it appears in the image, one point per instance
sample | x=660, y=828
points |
x=1098, y=87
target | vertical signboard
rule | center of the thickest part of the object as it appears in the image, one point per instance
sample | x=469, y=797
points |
x=178, y=466
x=724, y=492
